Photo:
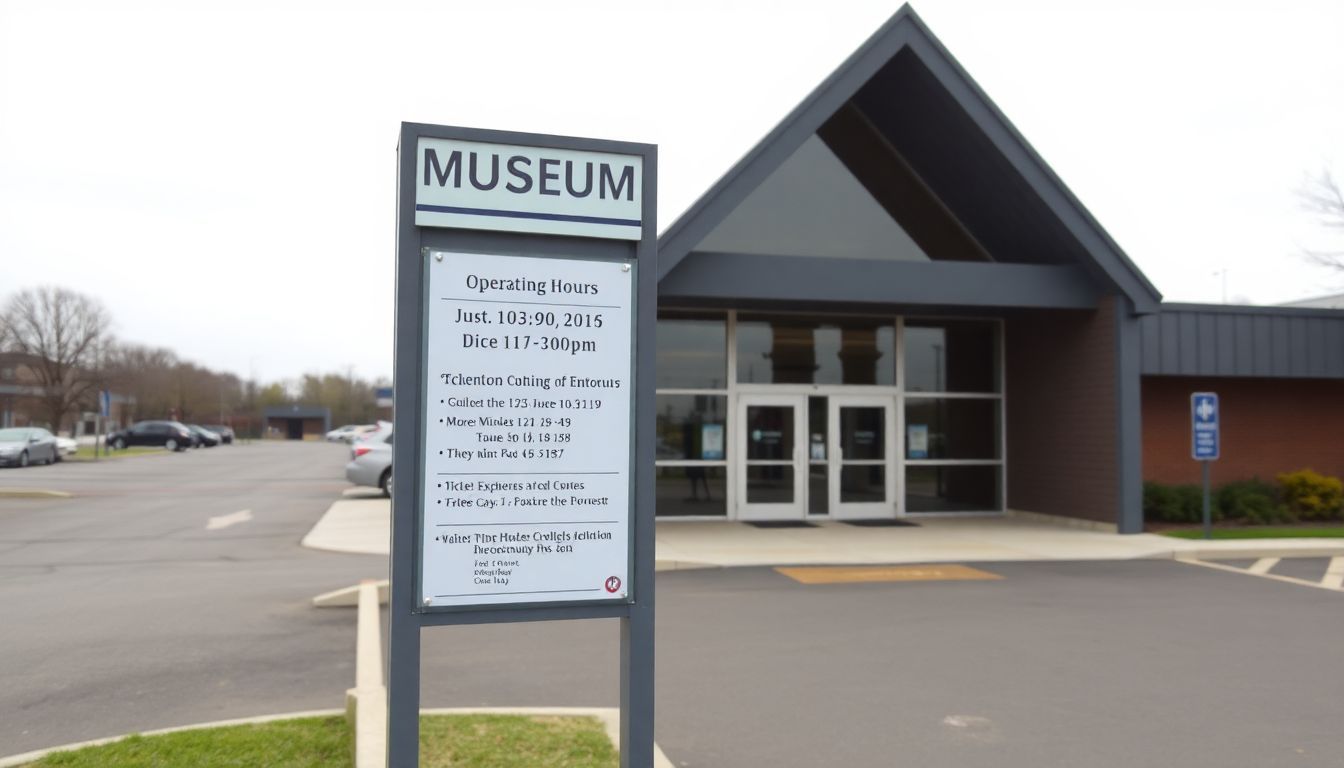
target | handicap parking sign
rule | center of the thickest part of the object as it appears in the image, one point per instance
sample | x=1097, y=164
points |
x=1204, y=420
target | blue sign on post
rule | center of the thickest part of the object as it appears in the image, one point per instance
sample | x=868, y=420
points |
x=104, y=403
x=1204, y=426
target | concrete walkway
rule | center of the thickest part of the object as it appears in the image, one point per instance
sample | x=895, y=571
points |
x=359, y=523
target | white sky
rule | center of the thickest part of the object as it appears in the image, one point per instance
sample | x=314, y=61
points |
x=222, y=177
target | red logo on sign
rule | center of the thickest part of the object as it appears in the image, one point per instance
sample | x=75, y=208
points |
x=613, y=584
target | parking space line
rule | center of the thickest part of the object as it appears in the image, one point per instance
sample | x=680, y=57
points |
x=1334, y=575
x=224, y=521
x=1263, y=565
x=1245, y=572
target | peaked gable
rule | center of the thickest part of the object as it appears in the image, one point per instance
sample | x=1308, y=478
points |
x=930, y=113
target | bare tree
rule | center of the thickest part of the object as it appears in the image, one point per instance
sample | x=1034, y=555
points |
x=61, y=332
x=1322, y=197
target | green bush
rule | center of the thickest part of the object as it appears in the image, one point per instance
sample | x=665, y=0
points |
x=1308, y=495
x=1251, y=502
x=1174, y=503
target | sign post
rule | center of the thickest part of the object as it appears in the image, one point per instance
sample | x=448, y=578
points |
x=104, y=411
x=525, y=312
x=1205, y=442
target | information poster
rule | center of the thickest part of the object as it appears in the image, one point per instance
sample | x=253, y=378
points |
x=528, y=430
x=711, y=441
x=917, y=441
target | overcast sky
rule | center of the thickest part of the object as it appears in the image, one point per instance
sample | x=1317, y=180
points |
x=221, y=176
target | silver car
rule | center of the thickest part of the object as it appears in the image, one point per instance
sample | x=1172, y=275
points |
x=371, y=464
x=21, y=446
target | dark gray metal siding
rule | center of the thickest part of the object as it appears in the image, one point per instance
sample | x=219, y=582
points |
x=1215, y=340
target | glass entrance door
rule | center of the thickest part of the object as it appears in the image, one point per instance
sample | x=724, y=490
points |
x=772, y=435
x=862, y=468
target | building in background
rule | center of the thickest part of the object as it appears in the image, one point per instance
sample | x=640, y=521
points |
x=296, y=422
x=892, y=307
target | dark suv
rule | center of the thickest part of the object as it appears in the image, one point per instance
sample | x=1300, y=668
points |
x=169, y=434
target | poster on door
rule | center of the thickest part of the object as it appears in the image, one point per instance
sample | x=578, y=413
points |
x=917, y=441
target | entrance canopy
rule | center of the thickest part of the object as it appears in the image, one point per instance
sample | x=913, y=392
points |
x=896, y=182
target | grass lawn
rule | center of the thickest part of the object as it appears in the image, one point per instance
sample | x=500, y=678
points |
x=85, y=453
x=1261, y=532
x=460, y=741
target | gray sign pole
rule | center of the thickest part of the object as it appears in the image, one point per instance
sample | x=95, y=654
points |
x=1208, y=516
x=436, y=232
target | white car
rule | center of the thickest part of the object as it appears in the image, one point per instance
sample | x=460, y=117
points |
x=66, y=446
x=347, y=433
x=371, y=464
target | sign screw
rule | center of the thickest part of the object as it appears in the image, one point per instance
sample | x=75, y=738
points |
x=429, y=601
x=438, y=256
x=625, y=267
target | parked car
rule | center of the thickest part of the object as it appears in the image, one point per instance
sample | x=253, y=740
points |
x=66, y=447
x=225, y=433
x=376, y=432
x=21, y=446
x=172, y=435
x=202, y=436
x=371, y=464
x=349, y=433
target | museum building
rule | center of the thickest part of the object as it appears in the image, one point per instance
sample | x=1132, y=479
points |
x=892, y=307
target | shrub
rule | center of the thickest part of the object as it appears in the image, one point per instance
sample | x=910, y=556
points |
x=1252, y=502
x=1308, y=495
x=1174, y=503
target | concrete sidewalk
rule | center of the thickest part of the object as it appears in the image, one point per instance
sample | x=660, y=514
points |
x=360, y=523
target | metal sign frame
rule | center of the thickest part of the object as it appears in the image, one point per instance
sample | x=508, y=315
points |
x=406, y=616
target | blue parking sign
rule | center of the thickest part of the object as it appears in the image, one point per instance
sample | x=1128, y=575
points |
x=1204, y=420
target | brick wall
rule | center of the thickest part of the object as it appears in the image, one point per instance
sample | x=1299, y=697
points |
x=1062, y=413
x=1268, y=426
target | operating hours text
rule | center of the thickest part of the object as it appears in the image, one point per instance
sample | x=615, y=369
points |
x=542, y=343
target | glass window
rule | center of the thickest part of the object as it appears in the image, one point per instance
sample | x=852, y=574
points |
x=691, y=427
x=951, y=356
x=952, y=489
x=951, y=428
x=692, y=351
x=786, y=349
x=686, y=491
x=770, y=484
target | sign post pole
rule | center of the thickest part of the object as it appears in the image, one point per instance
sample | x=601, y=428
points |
x=1205, y=443
x=1208, y=517
x=523, y=400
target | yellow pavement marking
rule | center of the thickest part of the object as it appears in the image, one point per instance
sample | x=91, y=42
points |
x=876, y=573
x=1334, y=575
x=32, y=493
x=1263, y=565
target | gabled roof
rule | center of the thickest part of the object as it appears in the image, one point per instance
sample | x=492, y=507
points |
x=974, y=159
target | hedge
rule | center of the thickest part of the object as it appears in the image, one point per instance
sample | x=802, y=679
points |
x=1302, y=496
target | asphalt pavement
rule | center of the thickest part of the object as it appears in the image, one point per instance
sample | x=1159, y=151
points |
x=1082, y=665
x=122, y=609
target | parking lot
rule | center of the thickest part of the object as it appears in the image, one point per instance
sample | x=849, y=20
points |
x=126, y=610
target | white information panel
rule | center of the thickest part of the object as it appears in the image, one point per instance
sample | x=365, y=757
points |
x=528, y=432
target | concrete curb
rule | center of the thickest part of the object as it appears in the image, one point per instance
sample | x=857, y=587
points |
x=348, y=597
x=32, y=493
x=366, y=703
x=682, y=565
x=1246, y=553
